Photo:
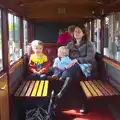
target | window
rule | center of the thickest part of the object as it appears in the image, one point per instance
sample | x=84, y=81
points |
x=112, y=36
x=97, y=29
x=1, y=58
x=14, y=38
x=88, y=30
x=25, y=29
x=90, y=33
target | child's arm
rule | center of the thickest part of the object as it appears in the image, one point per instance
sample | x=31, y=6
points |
x=55, y=64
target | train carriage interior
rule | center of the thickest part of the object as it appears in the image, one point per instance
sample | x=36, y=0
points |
x=21, y=22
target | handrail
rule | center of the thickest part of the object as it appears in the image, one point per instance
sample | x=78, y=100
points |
x=17, y=64
x=115, y=65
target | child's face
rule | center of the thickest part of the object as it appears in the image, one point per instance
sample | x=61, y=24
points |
x=60, y=53
x=38, y=49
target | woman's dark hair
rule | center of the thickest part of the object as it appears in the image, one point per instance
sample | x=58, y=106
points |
x=84, y=39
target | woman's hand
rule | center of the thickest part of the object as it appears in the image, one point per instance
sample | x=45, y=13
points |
x=73, y=62
x=63, y=69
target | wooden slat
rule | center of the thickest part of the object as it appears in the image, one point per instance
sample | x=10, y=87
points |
x=101, y=83
x=34, y=92
x=17, y=93
x=111, y=88
x=90, y=88
x=25, y=88
x=29, y=91
x=39, y=93
x=101, y=88
x=96, y=89
x=45, y=90
x=85, y=89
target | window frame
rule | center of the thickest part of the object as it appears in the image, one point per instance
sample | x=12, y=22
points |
x=2, y=42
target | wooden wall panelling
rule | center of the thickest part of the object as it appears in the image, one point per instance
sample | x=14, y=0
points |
x=4, y=101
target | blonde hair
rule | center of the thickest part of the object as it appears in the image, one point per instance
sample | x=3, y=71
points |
x=64, y=50
x=36, y=43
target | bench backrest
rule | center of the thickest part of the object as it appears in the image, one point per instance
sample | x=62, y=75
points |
x=100, y=66
x=50, y=49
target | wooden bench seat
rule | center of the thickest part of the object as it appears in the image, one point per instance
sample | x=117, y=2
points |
x=33, y=89
x=98, y=88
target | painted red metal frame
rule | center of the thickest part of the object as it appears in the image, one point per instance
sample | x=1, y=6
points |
x=5, y=51
x=102, y=36
x=30, y=32
x=21, y=36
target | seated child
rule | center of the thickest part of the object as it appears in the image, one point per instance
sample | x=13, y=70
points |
x=62, y=62
x=37, y=61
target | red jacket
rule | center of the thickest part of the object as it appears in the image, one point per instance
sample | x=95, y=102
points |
x=64, y=38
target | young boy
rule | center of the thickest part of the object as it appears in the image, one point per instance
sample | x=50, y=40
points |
x=62, y=62
x=37, y=61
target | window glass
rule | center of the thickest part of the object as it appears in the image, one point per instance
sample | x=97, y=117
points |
x=17, y=28
x=14, y=38
x=25, y=29
x=10, y=27
x=112, y=36
x=97, y=29
x=88, y=30
x=1, y=57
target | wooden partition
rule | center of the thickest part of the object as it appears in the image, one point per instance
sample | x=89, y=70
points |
x=16, y=75
x=4, y=104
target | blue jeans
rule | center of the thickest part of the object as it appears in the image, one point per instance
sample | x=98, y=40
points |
x=36, y=77
x=72, y=72
x=57, y=72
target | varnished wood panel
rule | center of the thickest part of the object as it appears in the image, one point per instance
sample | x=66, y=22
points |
x=48, y=9
x=4, y=102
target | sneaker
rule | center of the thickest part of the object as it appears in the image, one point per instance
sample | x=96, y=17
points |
x=83, y=111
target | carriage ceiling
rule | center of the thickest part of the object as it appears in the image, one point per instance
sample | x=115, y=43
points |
x=61, y=10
